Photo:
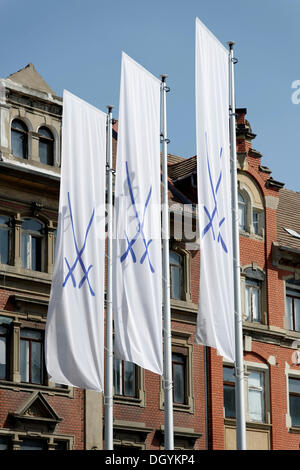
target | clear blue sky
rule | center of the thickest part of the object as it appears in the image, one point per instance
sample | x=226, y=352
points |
x=77, y=44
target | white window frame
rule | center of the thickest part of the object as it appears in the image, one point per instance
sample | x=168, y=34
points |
x=264, y=369
x=250, y=285
x=30, y=234
x=255, y=367
x=290, y=374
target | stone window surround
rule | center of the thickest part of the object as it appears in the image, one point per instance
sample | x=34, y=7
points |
x=186, y=273
x=257, y=367
x=290, y=373
x=263, y=292
x=34, y=136
x=181, y=340
x=49, y=439
x=247, y=188
x=14, y=381
x=47, y=260
x=140, y=398
x=286, y=280
x=131, y=434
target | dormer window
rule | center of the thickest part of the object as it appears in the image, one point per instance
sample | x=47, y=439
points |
x=19, y=139
x=46, y=146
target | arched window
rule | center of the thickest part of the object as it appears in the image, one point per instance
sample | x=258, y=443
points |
x=176, y=275
x=32, y=237
x=242, y=212
x=46, y=146
x=19, y=139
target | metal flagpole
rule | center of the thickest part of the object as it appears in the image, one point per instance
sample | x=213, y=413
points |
x=239, y=360
x=108, y=392
x=167, y=376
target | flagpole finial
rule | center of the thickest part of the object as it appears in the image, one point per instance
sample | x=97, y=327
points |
x=164, y=77
x=231, y=44
x=110, y=107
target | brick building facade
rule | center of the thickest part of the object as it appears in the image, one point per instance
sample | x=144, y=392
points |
x=38, y=414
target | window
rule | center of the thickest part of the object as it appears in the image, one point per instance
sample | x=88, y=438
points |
x=32, y=444
x=125, y=378
x=255, y=222
x=5, y=332
x=5, y=239
x=54, y=243
x=179, y=378
x=253, y=300
x=294, y=398
x=32, y=235
x=229, y=391
x=46, y=146
x=31, y=356
x=19, y=139
x=24, y=441
x=256, y=396
x=5, y=443
x=242, y=212
x=4, y=351
x=293, y=308
x=176, y=275
x=61, y=445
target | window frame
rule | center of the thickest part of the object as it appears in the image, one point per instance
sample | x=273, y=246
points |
x=293, y=377
x=49, y=440
x=184, y=375
x=8, y=227
x=250, y=286
x=230, y=384
x=140, y=398
x=122, y=382
x=264, y=370
x=8, y=439
x=250, y=203
x=49, y=141
x=29, y=371
x=182, y=344
x=292, y=293
x=262, y=390
x=242, y=204
x=180, y=267
x=21, y=132
x=32, y=234
x=6, y=335
x=185, y=267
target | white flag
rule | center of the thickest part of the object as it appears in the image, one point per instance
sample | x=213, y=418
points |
x=75, y=322
x=137, y=257
x=215, y=324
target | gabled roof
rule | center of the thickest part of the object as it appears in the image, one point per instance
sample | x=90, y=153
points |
x=29, y=77
x=288, y=217
x=182, y=169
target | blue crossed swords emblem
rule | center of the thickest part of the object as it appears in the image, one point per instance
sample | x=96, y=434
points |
x=79, y=253
x=140, y=227
x=215, y=212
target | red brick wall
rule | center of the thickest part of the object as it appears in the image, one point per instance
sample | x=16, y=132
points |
x=252, y=250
